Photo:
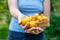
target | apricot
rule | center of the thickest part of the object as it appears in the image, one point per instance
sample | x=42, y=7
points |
x=33, y=24
x=34, y=18
x=24, y=21
x=39, y=18
x=36, y=15
x=29, y=18
x=44, y=18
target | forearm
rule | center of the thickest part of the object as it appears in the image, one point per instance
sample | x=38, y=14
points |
x=47, y=8
x=13, y=7
x=15, y=13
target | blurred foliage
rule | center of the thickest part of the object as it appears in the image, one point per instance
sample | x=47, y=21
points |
x=52, y=33
x=4, y=12
x=56, y=5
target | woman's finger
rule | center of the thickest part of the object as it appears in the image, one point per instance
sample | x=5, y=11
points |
x=26, y=26
x=39, y=30
x=19, y=21
x=30, y=30
x=20, y=18
x=35, y=32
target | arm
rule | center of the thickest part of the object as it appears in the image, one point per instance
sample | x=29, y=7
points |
x=47, y=8
x=13, y=7
x=14, y=11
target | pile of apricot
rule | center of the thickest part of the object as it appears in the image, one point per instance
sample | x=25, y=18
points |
x=41, y=18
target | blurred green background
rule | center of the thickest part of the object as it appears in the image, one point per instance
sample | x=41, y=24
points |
x=52, y=33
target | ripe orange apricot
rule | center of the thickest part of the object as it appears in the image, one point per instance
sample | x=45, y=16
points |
x=33, y=24
x=44, y=18
x=36, y=15
x=34, y=18
x=29, y=18
x=39, y=18
x=24, y=21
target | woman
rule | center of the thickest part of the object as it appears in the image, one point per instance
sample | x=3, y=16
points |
x=24, y=8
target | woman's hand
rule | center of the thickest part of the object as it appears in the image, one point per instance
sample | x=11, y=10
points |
x=20, y=18
x=19, y=22
x=44, y=24
x=34, y=30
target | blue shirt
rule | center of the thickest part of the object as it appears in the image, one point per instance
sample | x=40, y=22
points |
x=27, y=7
